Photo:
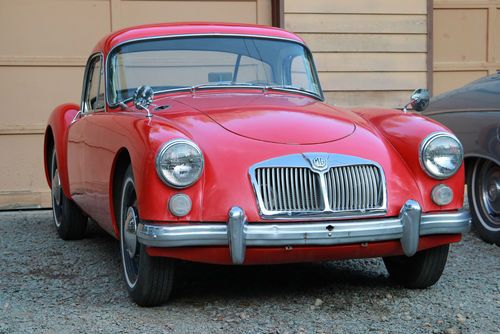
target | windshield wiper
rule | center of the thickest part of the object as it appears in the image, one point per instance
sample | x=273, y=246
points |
x=293, y=88
x=224, y=84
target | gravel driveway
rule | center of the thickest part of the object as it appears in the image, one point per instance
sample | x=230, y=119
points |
x=52, y=286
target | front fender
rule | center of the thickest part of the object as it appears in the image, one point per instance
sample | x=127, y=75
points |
x=405, y=132
x=57, y=128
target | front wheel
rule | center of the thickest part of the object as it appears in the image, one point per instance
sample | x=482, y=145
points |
x=149, y=279
x=484, y=199
x=420, y=270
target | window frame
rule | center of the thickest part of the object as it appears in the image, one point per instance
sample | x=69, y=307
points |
x=84, y=107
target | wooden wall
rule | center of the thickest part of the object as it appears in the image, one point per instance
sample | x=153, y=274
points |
x=466, y=41
x=368, y=53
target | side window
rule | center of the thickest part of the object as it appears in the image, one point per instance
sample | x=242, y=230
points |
x=93, y=99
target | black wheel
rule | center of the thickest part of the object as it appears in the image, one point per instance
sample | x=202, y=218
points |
x=149, y=279
x=420, y=270
x=484, y=199
x=69, y=220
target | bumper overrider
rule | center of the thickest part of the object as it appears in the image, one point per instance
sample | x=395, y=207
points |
x=238, y=234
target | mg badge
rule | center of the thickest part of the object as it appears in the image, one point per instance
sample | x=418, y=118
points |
x=319, y=163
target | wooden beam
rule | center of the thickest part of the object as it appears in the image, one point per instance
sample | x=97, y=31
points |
x=15, y=200
x=22, y=129
x=42, y=61
x=430, y=43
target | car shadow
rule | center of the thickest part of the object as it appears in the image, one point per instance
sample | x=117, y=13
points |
x=208, y=282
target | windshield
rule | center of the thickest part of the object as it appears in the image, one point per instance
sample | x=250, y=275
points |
x=204, y=62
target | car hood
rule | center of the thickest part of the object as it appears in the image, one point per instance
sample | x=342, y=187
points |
x=273, y=117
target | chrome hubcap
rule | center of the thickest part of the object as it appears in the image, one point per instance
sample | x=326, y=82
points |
x=130, y=232
x=490, y=189
x=56, y=188
x=493, y=190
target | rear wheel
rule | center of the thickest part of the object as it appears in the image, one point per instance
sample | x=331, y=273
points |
x=149, y=279
x=420, y=270
x=484, y=199
x=69, y=220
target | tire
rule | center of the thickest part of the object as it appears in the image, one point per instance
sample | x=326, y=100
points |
x=69, y=220
x=484, y=199
x=419, y=271
x=149, y=279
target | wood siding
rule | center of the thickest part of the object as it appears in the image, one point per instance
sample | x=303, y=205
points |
x=368, y=53
x=45, y=44
x=466, y=41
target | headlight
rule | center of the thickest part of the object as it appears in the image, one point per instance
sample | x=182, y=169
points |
x=441, y=155
x=179, y=163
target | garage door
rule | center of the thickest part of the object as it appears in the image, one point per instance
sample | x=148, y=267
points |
x=44, y=48
x=466, y=41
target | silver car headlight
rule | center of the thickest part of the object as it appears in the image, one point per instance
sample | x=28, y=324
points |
x=179, y=163
x=441, y=155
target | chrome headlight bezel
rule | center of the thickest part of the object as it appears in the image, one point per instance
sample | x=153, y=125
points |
x=163, y=149
x=425, y=144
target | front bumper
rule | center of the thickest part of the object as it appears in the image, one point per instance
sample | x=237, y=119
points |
x=238, y=234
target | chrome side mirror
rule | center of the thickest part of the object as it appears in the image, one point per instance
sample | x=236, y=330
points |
x=419, y=100
x=143, y=97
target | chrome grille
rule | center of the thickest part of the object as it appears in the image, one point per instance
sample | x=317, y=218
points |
x=320, y=185
x=289, y=189
x=354, y=188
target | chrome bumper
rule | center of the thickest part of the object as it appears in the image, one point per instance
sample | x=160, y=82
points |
x=238, y=234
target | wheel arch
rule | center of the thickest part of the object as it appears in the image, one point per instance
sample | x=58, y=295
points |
x=48, y=146
x=471, y=159
x=122, y=161
x=56, y=134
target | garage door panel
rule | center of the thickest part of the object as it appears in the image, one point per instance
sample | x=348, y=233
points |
x=31, y=93
x=373, y=81
x=365, y=42
x=356, y=6
x=141, y=12
x=446, y=81
x=466, y=42
x=22, y=169
x=51, y=28
x=340, y=23
x=387, y=62
x=460, y=35
x=382, y=99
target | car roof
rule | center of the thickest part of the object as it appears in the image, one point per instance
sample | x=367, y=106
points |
x=190, y=28
x=479, y=95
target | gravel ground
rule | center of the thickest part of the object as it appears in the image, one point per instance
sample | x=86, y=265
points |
x=51, y=286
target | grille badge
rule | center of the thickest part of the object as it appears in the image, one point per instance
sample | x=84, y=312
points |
x=319, y=162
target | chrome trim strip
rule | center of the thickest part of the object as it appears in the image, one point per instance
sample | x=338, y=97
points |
x=304, y=160
x=240, y=235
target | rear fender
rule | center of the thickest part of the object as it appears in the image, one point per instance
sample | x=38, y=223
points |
x=59, y=121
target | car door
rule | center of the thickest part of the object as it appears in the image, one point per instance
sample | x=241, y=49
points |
x=92, y=102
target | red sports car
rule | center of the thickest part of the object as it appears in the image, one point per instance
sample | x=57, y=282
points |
x=212, y=143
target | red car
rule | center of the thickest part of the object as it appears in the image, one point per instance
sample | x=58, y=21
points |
x=212, y=143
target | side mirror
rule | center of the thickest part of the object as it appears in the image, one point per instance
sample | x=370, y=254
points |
x=420, y=99
x=143, y=97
